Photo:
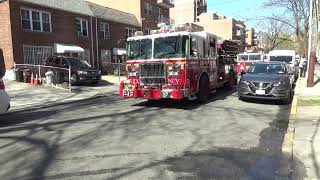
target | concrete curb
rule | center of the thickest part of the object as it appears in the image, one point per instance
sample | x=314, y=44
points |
x=287, y=145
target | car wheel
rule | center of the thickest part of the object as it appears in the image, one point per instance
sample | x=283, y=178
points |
x=74, y=79
x=288, y=99
x=204, y=90
x=241, y=98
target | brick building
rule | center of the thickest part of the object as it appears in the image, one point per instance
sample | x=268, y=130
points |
x=185, y=11
x=148, y=12
x=31, y=30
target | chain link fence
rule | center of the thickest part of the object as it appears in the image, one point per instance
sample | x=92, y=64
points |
x=45, y=75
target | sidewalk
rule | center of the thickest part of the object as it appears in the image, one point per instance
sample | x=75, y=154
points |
x=306, y=142
x=25, y=96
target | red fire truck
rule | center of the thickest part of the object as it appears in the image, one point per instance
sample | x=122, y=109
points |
x=245, y=60
x=178, y=64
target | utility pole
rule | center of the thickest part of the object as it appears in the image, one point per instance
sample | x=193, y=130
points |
x=313, y=41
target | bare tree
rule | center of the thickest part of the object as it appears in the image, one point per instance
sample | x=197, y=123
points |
x=296, y=17
x=275, y=35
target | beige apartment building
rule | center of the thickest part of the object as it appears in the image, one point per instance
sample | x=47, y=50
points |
x=148, y=12
x=187, y=10
x=225, y=28
x=250, y=38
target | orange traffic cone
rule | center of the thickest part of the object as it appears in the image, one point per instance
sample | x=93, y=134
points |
x=31, y=79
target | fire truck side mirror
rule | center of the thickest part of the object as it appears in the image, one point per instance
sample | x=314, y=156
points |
x=194, y=53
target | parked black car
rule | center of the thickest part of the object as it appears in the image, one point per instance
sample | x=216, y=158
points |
x=267, y=80
x=81, y=71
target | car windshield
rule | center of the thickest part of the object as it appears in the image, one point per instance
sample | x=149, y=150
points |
x=267, y=69
x=170, y=47
x=74, y=62
x=139, y=49
x=254, y=57
x=287, y=59
x=243, y=57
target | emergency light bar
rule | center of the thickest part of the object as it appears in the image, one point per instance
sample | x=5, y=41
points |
x=189, y=27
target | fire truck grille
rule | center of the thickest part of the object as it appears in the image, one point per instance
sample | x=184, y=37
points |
x=153, y=73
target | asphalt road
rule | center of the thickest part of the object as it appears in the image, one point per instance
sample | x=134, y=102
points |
x=111, y=138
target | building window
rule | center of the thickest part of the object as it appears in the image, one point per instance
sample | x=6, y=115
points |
x=148, y=9
x=105, y=56
x=104, y=31
x=35, y=20
x=147, y=31
x=159, y=14
x=82, y=27
x=36, y=54
x=130, y=32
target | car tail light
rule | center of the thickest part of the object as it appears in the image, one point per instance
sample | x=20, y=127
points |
x=2, y=87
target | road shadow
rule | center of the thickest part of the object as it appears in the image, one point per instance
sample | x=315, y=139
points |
x=185, y=104
x=257, y=163
x=264, y=162
x=49, y=110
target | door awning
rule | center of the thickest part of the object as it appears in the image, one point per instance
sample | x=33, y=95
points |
x=64, y=48
x=119, y=51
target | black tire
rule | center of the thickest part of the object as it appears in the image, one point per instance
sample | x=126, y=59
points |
x=288, y=100
x=241, y=98
x=74, y=79
x=204, y=90
x=95, y=82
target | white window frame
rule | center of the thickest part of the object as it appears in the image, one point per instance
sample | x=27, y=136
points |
x=80, y=33
x=159, y=14
x=30, y=10
x=148, y=7
x=130, y=31
x=105, y=29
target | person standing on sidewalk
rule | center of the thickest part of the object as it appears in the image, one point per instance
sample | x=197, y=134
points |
x=303, y=67
x=2, y=66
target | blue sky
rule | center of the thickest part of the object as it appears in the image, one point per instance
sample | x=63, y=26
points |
x=246, y=10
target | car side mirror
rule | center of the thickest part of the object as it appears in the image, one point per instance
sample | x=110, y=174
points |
x=242, y=73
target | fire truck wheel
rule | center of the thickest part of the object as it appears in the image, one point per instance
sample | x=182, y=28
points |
x=204, y=89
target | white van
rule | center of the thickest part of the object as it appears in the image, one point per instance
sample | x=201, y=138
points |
x=287, y=56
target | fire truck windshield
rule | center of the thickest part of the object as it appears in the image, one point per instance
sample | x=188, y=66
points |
x=170, y=47
x=139, y=49
x=243, y=57
x=287, y=59
x=254, y=57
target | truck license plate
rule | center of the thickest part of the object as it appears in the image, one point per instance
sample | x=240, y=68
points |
x=260, y=92
x=127, y=93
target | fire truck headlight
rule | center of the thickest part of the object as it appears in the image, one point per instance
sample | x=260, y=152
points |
x=133, y=71
x=174, y=70
x=132, y=74
x=174, y=73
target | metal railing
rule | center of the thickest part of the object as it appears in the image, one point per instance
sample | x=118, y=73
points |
x=46, y=75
